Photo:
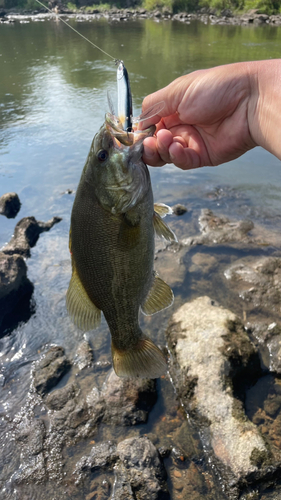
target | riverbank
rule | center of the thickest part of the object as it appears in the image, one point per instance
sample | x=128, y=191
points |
x=206, y=16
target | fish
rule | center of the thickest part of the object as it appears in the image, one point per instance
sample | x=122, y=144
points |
x=113, y=224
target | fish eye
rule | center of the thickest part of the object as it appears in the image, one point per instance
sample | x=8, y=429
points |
x=102, y=155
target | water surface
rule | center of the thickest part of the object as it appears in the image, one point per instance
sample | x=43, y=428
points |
x=53, y=98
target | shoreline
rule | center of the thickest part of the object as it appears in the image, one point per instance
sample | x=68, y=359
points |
x=122, y=15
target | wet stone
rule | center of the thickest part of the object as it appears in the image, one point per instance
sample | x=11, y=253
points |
x=216, y=229
x=26, y=234
x=84, y=356
x=101, y=456
x=179, y=209
x=14, y=284
x=60, y=397
x=127, y=401
x=9, y=205
x=264, y=277
x=269, y=343
x=75, y=415
x=31, y=435
x=209, y=352
x=31, y=469
x=50, y=369
x=141, y=465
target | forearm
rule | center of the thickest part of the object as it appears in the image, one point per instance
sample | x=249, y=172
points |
x=264, y=110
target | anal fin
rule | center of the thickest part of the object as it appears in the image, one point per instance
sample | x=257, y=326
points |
x=162, y=230
x=81, y=309
x=160, y=296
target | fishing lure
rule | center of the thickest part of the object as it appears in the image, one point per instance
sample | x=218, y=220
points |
x=124, y=120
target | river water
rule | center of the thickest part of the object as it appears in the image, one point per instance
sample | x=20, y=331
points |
x=53, y=98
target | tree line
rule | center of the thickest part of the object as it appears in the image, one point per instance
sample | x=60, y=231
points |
x=235, y=6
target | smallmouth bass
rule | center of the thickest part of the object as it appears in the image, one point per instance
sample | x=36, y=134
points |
x=113, y=223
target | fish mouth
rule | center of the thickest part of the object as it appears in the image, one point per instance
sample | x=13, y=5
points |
x=120, y=136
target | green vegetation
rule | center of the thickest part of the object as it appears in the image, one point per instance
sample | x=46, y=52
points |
x=89, y=8
x=236, y=6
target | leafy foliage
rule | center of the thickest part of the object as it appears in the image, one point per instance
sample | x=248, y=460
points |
x=236, y=6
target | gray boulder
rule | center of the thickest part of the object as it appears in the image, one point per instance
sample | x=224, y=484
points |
x=210, y=350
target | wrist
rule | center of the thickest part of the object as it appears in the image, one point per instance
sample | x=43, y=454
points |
x=264, y=109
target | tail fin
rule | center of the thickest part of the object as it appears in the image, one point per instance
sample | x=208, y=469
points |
x=145, y=360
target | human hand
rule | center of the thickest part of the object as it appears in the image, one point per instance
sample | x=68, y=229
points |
x=205, y=120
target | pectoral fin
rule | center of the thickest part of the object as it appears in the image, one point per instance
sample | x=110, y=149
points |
x=162, y=209
x=159, y=297
x=161, y=229
x=81, y=309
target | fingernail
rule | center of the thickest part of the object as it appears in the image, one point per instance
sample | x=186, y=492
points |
x=172, y=156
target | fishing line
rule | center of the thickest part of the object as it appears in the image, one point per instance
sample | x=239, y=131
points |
x=80, y=34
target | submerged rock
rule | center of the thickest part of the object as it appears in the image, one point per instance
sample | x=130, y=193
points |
x=216, y=229
x=179, y=209
x=138, y=470
x=211, y=351
x=10, y=205
x=264, y=276
x=26, y=234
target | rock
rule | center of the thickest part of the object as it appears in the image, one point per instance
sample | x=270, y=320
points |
x=269, y=343
x=101, y=456
x=141, y=466
x=276, y=19
x=31, y=434
x=127, y=401
x=210, y=351
x=167, y=12
x=26, y=234
x=226, y=13
x=59, y=397
x=75, y=415
x=14, y=284
x=50, y=369
x=179, y=209
x=84, y=355
x=216, y=229
x=32, y=469
x=9, y=203
x=138, y=470
x=264, y=276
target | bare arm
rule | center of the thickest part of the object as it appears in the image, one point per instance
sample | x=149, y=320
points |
x=213, y=116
